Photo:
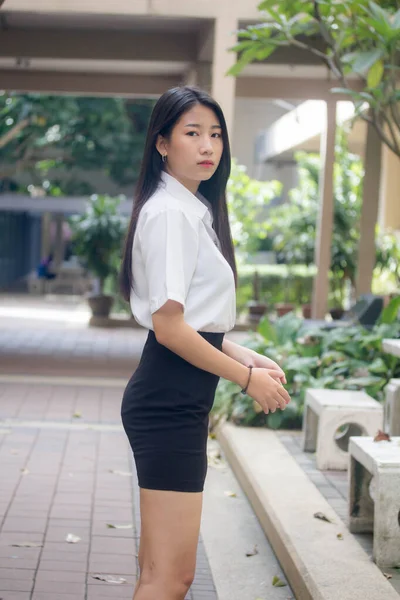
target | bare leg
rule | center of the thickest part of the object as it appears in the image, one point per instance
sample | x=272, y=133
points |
x=169, y=538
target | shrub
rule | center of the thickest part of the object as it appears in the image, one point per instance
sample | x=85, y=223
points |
x=348, y=358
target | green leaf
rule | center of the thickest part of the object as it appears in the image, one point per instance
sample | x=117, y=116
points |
x=242, y=46
x=364, y=60
x=265, y=52
x=275, y=419
x=267, y=330
x=378, y=12
x=390, y=312
x=396, y=20
x=375, y=74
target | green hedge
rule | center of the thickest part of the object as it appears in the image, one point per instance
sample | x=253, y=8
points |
x=277, y=284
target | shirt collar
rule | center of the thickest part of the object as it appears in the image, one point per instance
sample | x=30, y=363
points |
x=197, y=202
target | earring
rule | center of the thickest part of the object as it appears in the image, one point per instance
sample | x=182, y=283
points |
x=164, y=158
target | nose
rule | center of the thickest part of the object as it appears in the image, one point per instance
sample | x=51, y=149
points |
x=207, y=147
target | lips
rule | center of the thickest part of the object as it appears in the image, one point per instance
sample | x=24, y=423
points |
x=207, y=163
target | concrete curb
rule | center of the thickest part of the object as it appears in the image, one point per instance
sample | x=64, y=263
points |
x=317, y=564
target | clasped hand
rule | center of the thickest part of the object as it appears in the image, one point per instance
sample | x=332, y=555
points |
x=266, y=383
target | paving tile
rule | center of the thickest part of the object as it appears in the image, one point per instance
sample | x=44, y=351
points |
x=23, y=563
x=117, y=565
x=74, y=566
x=6, y=595
x=112, y=546
x=16, y=585
x=53, y=587
x=16, y=573
x=24, y=525
x=124, y=592
x=55, y=596
x=59, y=576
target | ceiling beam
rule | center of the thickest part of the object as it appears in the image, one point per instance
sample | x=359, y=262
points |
x=98, y=45
x=291, y=88
x=107, y=84
x=188, y=8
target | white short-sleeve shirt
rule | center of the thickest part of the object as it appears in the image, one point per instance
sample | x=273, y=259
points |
x=176, y=256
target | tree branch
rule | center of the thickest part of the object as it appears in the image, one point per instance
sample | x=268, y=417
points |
x=12, y=133
x=392, y=132
x=381, y=133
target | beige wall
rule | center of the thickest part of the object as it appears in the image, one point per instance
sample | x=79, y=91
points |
x=252, y=115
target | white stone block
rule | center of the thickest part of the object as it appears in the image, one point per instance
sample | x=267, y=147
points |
x=374, y=495
x=392, y=407
x=325, y=411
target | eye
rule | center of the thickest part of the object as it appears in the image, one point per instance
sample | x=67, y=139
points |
x=218, y=135
x=192, y=132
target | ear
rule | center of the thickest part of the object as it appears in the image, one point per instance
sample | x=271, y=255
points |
x=161, y=145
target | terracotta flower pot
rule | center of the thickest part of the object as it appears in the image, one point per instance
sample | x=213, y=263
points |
x=100, y=305
x=283, y=309
x=306, y=310
x=256, y=310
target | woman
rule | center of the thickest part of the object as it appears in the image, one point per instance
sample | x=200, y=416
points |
x=179, y=275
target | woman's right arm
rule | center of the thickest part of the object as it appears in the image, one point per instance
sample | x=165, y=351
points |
x=173, y=332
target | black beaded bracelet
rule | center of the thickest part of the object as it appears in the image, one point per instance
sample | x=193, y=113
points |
x=244, y=390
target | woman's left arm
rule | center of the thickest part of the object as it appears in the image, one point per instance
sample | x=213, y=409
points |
x=249, y=357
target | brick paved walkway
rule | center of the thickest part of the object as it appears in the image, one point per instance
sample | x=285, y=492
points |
x=64, y=461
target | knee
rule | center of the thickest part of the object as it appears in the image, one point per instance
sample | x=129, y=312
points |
x=172, y=585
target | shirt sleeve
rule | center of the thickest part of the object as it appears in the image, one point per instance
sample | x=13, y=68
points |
x=169, y=244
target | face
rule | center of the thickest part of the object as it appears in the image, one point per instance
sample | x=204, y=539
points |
x=195, y=147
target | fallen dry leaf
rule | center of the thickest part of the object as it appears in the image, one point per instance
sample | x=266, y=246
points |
x=27, y=545
x=122, y=473
x=339, y=536
x=111, y=526
x=253, y=553
x=381, y=436
x=388, y=576
x=24, y=471
x=230, y=494
x=72, y=539
x=276, y=582
x=77, y=415
x=109, y=578
x=322, y=517
x=214, y=459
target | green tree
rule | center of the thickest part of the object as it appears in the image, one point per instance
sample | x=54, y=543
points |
x=247, y=199
x=98, y=235
x=351, y=37
x=294, y=223
x=39, y=133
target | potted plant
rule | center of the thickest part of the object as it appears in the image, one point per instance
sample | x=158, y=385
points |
x=256, y=308
x=285, y=307
x=97, y=236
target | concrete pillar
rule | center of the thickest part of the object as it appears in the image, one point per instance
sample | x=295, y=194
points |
x=369, y=212
x=59, y=241
x=389, y=202
x=223, y=86
x=325, y=216
x=45, y=241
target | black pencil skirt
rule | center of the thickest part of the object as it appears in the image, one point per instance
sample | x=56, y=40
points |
x=165, y=410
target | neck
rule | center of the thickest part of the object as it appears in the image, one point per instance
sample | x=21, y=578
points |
x=189, y=184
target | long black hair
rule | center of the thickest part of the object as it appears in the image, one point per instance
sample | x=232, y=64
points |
x=167, y=111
